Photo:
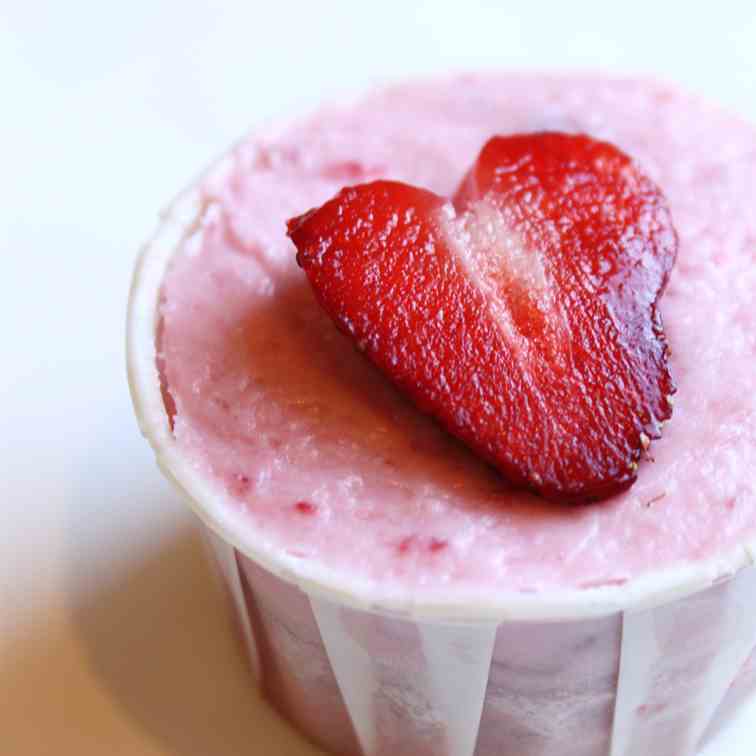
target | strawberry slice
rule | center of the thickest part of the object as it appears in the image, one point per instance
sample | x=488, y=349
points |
x=522, y=315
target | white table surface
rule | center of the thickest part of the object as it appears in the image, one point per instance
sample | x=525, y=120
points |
x=112, y=633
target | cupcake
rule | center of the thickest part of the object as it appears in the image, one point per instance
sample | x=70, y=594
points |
x=397, y=593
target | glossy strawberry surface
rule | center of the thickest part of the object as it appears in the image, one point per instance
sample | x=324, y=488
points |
x=523, y=314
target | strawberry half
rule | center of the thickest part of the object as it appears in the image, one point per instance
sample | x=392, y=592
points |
x=522, y=315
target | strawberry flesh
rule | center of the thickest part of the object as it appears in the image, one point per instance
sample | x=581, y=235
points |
x=522, y=314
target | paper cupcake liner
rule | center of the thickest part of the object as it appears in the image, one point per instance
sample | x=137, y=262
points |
x=634, y=670
x=644, y=683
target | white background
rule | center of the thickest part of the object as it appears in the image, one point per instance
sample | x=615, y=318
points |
x=112, y=636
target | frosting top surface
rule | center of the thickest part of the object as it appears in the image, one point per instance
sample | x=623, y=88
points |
x=328, y=462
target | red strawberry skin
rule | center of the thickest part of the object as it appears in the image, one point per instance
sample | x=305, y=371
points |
x=523, y=316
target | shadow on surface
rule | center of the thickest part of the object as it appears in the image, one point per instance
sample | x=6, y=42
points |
x=160, y=641
x=146, y=665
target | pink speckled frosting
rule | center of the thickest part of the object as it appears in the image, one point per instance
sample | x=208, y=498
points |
x=330, y=463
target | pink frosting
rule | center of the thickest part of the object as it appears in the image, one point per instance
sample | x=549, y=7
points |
x=330, y=463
